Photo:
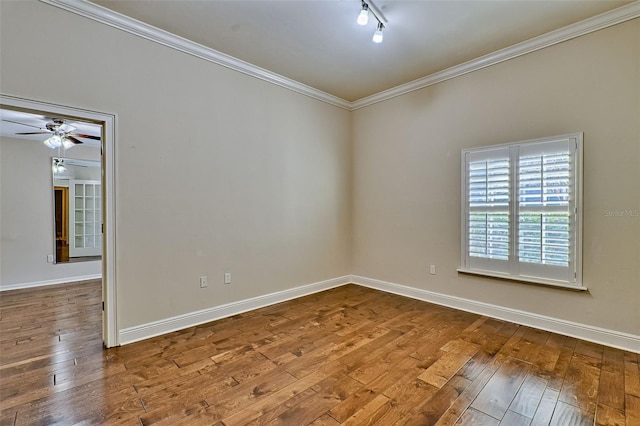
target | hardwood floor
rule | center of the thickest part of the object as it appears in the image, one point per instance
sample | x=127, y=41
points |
x=350, y=355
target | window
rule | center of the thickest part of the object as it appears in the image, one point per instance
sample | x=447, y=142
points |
x=521, y=211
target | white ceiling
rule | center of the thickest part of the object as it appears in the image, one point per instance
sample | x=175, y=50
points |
x=33, y=122
x=318, y=43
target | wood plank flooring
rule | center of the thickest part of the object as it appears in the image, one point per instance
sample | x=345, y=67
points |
x=350, y=356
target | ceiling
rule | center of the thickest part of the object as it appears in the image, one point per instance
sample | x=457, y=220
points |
x=31, y=122
x=319, y=43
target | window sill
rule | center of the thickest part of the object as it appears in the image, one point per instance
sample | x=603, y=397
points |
x=538, y=281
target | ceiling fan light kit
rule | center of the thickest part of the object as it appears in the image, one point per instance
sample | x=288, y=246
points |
x=58, y=166
x=59, y=137
x=363, y=19
x=53, y=142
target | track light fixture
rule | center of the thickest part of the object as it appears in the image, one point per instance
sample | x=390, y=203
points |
x=363, y=19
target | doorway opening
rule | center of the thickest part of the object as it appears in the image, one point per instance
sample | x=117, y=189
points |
x=95, y=222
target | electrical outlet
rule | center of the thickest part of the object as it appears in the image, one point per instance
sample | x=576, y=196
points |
x=432, y=269
x=227, y=278
x=49, y=258
x=204, y=281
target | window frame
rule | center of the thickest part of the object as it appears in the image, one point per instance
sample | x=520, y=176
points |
x=512, y=266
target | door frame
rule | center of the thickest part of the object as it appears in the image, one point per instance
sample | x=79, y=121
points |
x=64, y=219
x=110, y=330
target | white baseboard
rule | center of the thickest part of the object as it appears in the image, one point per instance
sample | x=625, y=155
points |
x=590, y=333
x=50, y=282
x=156, y=328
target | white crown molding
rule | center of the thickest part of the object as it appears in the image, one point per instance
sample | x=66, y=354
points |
x=598, y=22
x=116, y=20
x=590, y=333
x=66, y=280
x=146, y=31
x=168, y=325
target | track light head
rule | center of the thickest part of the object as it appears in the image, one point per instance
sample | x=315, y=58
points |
x=378, y=36
x=363, y=17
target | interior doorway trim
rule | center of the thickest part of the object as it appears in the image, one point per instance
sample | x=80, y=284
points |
x=110, y=334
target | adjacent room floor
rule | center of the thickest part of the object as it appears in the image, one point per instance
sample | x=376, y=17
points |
x=350, y=355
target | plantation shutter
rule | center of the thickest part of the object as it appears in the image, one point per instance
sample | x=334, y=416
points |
x=487, y=206
x=546, y=210
x=521, y=210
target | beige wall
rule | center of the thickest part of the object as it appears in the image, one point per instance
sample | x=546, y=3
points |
x=407, y=173
x=216, y=171
x=26, y=214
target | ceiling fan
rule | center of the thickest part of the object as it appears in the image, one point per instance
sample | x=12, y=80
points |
x=61, y=133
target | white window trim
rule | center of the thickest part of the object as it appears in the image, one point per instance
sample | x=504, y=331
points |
x=578, y=190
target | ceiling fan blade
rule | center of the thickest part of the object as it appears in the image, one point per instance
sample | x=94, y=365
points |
x=74, y=140
x=32, y=133
x=66, y=128
x=95, y=138
x=22, y=124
